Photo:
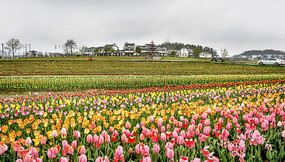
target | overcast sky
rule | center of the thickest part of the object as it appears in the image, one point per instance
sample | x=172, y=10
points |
x=236, y=25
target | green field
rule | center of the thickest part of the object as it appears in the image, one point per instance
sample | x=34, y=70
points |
x=129, y=66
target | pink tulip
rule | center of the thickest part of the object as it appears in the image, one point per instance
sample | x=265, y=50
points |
x=108, y=139
x=197, y=132
x=51, y=153
x=89, y=138
x=141, y=137
x=104, y=133
x=195, y=117
x=159, y=124
x=124, y=138
x=180, y=140
x=131, y=151
x=229, y=126
x=76, y=134
x=63, y=159
x=28, y=141
x=235, y=120
x=27, y=158
x=156, y=148
x=100, y=140
x=70, y=150
x=202, y=137
x=107, y=159
x=64, y=144
x=207, y=122
x=3, y=149
x=99, y=159
x=81, y=149
x=74, y=144
x=128, y=125
x=95, y=138
x=63, y=131
x=34, y=151
x=283, y=133
x=146, y=159
x=196, y=160
x=54, y=133
x=221, y=121
x=118, y=155
x=111, y=129
x=82, y=158
x=169, y=153
x=162, y=129
x=39, y=160
x=231, y=147
x=168, y=126
x=207, y=130
x=43, y=140
x=204, y=116
x=168, y=145
x=151, y=119
x=163, y=137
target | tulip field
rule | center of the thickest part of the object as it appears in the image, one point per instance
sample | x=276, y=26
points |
x=144, y=118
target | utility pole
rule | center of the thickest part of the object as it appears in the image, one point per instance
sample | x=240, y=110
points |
x=29, y=47
x=25, y=48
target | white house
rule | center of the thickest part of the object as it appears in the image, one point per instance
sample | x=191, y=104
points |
x=129, y=49
x=185, y=52
x=205, y=55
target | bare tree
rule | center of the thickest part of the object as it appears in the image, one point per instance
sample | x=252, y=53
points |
x=70, y=45
x=225, y=53
x=13, y=45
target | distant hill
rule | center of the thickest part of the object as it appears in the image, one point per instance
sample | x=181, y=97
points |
x=263, y=52
x=178, y=46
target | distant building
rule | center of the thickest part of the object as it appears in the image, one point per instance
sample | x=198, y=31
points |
x=205, y=55
x=185, y=52
x=161, y=51
x=129, y=49
x=144, y=49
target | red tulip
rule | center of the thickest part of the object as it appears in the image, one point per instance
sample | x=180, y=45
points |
x=183, y=159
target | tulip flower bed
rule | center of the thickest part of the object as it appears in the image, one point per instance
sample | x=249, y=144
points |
x=71, y=83
x=238, y=122
x=69, y=66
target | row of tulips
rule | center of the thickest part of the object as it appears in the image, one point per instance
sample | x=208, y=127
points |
x=88, y=94
x=244, y=123
x=120, y=82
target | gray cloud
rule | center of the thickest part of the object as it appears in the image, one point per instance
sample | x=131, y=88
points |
x=234, y=25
